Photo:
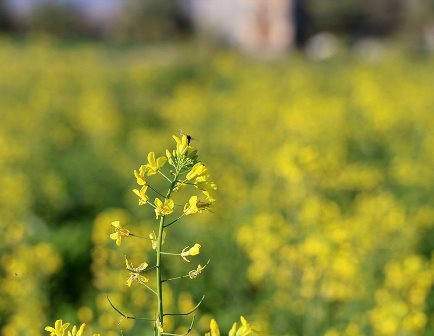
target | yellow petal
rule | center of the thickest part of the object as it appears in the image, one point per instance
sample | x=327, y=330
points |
x=151, y=159
x=214, y=328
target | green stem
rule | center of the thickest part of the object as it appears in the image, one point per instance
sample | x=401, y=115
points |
x=159, y=282
x=160, y=315
x=172, y=254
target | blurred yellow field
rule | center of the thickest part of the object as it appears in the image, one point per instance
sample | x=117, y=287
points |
x=324, y=220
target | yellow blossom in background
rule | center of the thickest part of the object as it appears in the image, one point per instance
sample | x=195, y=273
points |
x=195, y=250
x=119, y=232
x=163, y=209
x=153, y=165
x=143, y=198
x=181, y=144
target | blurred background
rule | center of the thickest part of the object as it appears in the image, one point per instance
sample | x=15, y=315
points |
x=315, y=118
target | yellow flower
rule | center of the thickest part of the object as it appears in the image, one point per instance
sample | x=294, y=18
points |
x=59, y=328
x=169, y=156
x=195, y=250
x=244, y=330
x=140, y=175
x=181, y=144
x=76, y=332
x=214, y=329
x=198, y=170
x=163, y=209
x=193, y=274
x=119, y=233
x=153, y=165
x=179, y=186
x=143, y=198
x=135, y=272
x=154, y=239
x=194, y=205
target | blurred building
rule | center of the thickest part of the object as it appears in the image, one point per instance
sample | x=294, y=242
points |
x=259, y=26
x=263, y=27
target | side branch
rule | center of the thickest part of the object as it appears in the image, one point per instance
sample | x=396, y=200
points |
x=173, y=222
x=186, y=333
x=188, y=313
x=127, y=316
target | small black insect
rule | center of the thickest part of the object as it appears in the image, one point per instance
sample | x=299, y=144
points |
x=189, y=137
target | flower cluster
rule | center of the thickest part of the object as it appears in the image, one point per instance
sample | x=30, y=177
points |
x=243, y=330
x=186, y=171
x=61, y=329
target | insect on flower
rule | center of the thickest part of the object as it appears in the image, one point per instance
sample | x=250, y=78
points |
x=189, y=137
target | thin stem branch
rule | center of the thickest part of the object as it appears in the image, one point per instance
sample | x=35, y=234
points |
x=174, y=221
x=155, y=190
x=168, y=253
x=188, y=313
x=127, y=316
x=158, y=264
x=144, y=284
x=162, y=174
x=177, y=278
x=187, y=332
x=137, y=236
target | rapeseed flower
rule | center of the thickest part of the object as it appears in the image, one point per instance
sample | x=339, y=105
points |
x=77, y=332
x=135, y=272
x=140, y=176
x=194, y=205
x=193, y=274
x=244, y=330
x=197, y=170
x=143, y=198
x=195, y=250
x=163, y=209
x=153, y=165
x=181, y=145
x=119, y=233
x=59, y=328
